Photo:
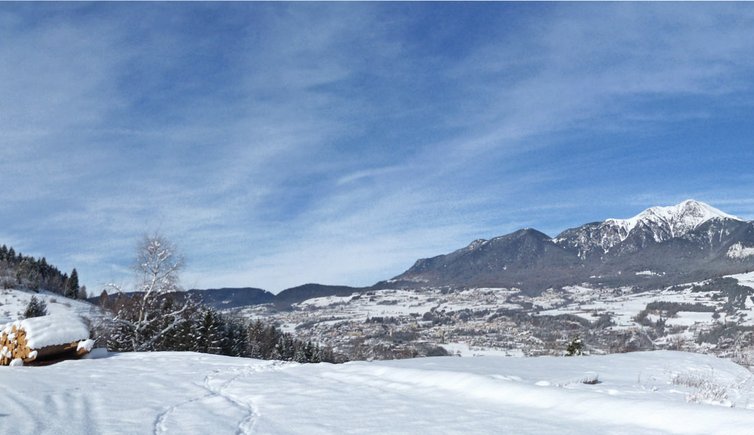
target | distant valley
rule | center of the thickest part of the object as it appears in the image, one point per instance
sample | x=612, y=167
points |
x=674, y=277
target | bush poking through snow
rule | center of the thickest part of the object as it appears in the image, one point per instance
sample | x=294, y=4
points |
x=591, y=379
x=705, y=389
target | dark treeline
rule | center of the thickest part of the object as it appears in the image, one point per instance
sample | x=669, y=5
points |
x=180, y=323
x=25, y=272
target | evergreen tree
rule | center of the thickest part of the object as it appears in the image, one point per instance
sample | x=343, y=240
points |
x=575, y=347
x=309, y=351
x=72, y=285
x=326, y=354
x=235, y=342
x=35, y=308
x=82, y=294
x=256, y=343
x=184, y=336
x=210, y=333
x=299, y=353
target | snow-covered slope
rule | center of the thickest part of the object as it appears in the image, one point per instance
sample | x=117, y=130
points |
x=739, y=251
x=639, y=393
x=671, y=221
x=657, y=223
x=677, y=219
x=14, y=302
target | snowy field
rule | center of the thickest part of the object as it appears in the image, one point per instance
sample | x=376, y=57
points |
x=181, y=393
x=13, y=302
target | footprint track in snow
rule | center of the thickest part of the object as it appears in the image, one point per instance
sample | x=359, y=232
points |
x=213, y=391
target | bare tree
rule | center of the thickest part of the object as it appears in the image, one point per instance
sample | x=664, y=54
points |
x=145, y=317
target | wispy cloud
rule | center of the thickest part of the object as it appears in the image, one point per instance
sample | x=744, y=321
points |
x=287, y=143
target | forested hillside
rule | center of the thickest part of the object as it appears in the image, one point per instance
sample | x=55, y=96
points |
x=26, y=272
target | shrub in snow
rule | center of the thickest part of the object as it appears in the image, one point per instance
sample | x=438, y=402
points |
x=591, y=379
x=704, y=387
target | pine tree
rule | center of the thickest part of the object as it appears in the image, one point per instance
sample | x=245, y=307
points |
x=210, y=333
x=255, y=340
x=575, y=347
x=35, y=308
x=326, y=354
x=285, y=349
x=309, y=351
x=235, y=342
x=184, y=335
x=72, y=285
x=299, y=353
x=82, y=294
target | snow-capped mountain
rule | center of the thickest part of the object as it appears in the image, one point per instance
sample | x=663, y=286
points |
x=672, y=221
x=687, y=240
x=656, y=224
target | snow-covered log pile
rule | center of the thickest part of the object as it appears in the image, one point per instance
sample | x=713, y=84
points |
x=54, y=336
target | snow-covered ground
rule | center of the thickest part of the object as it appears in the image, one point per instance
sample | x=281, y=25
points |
x=14, y=302
x=623, y=305
x=180, y=393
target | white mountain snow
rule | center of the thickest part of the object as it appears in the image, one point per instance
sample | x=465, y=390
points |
x=658, y=223
x=675, y=220
x=739, y=251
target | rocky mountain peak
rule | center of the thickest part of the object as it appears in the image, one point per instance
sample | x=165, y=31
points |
x=656, y=224
x=675, y=220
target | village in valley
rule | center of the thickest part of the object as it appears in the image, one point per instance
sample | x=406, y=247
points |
x=714, y=317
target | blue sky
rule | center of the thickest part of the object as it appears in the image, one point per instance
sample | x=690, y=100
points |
x=278, y=144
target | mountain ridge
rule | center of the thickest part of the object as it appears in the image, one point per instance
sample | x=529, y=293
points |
x=661, y=245
x=686, y=240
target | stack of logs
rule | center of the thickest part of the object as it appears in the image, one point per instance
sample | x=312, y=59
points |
x=14, y=346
